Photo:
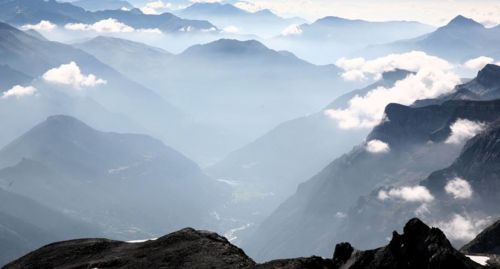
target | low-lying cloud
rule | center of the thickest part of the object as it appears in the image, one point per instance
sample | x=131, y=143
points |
x=19, y=91
x=155, y=7
x=41, y=26
x=433, y=77
x=292, y=30
x=462, y=228
x=377, y=147
x=478, y=63
x=71, y=75
x=463, y=130
x=109, y=25
x=459, y=188
x=416, y=194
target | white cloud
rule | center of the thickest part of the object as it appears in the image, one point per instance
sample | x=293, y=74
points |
x=377, y=147
x=41, y=26
x=249, y=6
x=459, y=188
x=231, y=29
x=292, y=30
x=103, y=26
x=478, y=63
x=411, y=61
x=70, y=74
x=19, y=92
x=408, y=194
x=109, y=26
x=462, y=228
x=155, y=7
x=433, y=78
x=463, y=130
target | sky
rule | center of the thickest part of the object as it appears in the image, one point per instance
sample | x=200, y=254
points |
x=434, y=12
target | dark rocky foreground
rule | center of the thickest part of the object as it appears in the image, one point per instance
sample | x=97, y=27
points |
x=419, y=247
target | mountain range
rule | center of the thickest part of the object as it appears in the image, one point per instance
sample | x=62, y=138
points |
x=278, y=85
x=21, y=12
x=96, y=5
x=231, y=19
x=133, y=185
x=417, y=141
x=458, y=41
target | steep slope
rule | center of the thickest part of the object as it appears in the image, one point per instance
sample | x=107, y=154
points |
x=263, y=23
x=26, y=225
x=20, y=12
x=415, y=137
x=139, y=186
x=466, y=191
x=460, y=40
x=294, y=150
x=418, y=247
x=95, y=5
x=487, y=242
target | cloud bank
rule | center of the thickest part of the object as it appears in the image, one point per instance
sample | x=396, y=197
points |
x=155, y=7
x=71, y=75
x=433, y=77
x=292, y=30
x=18, y=92
x=407, y=194
x=463, y=130
x=478, y=63
x=109, y=25
x=41, y=26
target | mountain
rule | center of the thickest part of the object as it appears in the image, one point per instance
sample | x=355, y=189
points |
x=26, y=225
x=263, y=23
x=96, y=5
x=186, y=248
x=418, y=247
x=460, y=40
x=139, y=186
x=335, y=37
x=261, y=87
x=487, y=242
x=119, y=95
x=415, y=138
x=21, y=12
x=277, y=161
x=10, y=77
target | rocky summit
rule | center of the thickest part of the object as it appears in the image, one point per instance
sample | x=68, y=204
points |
x=418, y=247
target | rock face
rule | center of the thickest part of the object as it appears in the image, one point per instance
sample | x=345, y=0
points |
x=418, y=247
x=186, y=248
x=487, y=242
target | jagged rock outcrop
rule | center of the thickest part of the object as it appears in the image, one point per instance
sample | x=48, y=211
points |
x=418, y=247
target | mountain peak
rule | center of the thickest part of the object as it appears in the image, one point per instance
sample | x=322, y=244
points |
x=228, y=46
x=461, y=21
x=489, y=76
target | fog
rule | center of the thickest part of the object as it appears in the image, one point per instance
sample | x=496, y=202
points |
x=271, y=131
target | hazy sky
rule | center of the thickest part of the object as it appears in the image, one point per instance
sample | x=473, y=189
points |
x=436, y=12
